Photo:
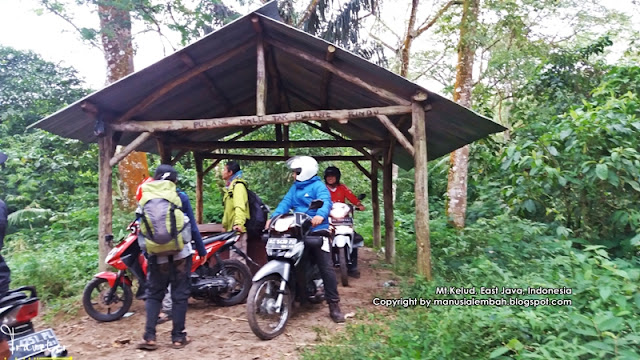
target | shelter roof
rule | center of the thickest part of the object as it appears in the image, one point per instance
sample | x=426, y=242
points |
x=229, y=88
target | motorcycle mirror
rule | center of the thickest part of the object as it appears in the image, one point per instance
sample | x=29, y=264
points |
x=316, y=204
x=361, y=196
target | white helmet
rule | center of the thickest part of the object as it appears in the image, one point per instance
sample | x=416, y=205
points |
x=305, y=166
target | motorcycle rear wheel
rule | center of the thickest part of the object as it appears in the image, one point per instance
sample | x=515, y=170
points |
x=241, y=273
x=262, y=298
x=342, y=256
x=114, y=310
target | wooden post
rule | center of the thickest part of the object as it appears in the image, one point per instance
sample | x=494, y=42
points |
x=421, y=191
x=389, y=233
x=106, y=149
x=199, y=179
x=164, y=149
x=375, y=205
x=261, y=80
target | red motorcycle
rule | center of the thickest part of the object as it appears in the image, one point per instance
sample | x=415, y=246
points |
x=108, y=296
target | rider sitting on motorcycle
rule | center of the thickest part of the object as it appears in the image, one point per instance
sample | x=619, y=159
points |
x=308, y=187
x=341, y=193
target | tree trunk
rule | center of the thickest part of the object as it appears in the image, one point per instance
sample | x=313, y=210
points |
x=459, y=159
x=115, y=25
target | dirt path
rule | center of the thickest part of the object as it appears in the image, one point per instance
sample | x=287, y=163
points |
x=222, y=333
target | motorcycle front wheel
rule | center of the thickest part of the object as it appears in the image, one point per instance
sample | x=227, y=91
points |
x=238, y=292
x=99, y=306
x=342, y=256
x=263, y=319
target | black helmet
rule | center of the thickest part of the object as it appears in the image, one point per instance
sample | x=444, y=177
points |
x=332, y=171
x=166, y=172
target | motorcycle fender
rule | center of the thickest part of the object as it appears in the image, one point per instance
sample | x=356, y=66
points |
x=111, y=278
x=340, y=241
x=273, y=267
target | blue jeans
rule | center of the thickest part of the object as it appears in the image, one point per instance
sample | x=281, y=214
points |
x=159, y=276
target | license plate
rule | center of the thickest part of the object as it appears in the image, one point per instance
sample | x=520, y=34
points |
x=33, y=344
x=281, y=243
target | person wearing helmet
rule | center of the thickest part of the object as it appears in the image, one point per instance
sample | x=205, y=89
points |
x=163, y=271
x=341, y=193
x=5, y=272
x=306, y=188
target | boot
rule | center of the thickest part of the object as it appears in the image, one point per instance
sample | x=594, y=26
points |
x=335, y=313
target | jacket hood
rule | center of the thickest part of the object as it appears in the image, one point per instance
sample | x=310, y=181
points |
x=301, y=184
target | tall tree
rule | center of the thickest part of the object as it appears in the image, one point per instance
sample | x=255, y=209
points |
x=459, y=159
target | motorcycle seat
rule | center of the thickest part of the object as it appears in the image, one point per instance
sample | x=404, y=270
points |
x=218, y=237
x=12, y=298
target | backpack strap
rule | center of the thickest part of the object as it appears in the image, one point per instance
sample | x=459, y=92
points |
x=174, y=226
x=146, y=224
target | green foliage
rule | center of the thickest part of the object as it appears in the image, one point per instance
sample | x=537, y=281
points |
x=506, y=251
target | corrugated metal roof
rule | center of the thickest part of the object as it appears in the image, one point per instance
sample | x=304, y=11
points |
x=449, y=125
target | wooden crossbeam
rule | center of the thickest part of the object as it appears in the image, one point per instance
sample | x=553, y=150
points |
x=396, y=133
x=280, y=157
x=234, y=121
x=213, y=145
x=129, y=148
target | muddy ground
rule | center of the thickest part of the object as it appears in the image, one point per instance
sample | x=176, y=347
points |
x=224, y=333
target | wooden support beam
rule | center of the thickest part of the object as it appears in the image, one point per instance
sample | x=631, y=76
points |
x=396, y=133
x=278, y=132
x=285, y=138
x=129, y=148
x=385, y=94
x=199, y=186
x=375, y=205
x=336, y=136
x=106, y=149
x=178, y=156
x=164, y=149
x=183, y=78
x=245, y=132
x=280, y=158
x=213, y=165
x=214, y=145
x=234, y=121
x=389, y=223
x=362, y=169
x=261, y=79
x=421, y=177
x=326, y=78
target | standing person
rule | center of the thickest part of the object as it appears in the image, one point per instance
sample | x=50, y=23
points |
x=5, y=273
x=165, y=270
x=236, y=205
x=306, y=188
x=341, y=193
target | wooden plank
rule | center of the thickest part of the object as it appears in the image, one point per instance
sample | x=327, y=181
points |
x=106, y=148
x=129, y=148
x=280, y=157
x=396, y=133
x=214, y=145
x=362, y=169
x=183, y=78
x=385, y=94
x=234, y=121
x=199, y=187
x=421, y=177
x=375, y=205
x=261, y=79
x=178, y=156
x=389, y=223
x=329, y=132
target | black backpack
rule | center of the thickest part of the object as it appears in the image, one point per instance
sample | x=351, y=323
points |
x=258, y=214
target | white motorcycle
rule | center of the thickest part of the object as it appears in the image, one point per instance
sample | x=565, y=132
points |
x=341, y=221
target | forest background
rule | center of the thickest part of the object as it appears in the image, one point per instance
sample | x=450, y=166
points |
x=552, y=202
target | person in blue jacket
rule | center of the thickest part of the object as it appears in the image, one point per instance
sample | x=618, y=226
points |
x=306, y=188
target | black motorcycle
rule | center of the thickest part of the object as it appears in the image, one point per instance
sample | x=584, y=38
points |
x=287, y=276
x=17, y=309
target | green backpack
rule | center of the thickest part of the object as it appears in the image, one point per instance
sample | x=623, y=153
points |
x=163, y=225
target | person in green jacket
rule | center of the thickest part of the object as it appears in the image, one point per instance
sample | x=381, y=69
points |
x=236, y=205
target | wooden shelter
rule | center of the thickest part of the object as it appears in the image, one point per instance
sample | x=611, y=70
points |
x=256, y=72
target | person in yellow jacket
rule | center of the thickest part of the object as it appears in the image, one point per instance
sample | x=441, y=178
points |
x=236, y=205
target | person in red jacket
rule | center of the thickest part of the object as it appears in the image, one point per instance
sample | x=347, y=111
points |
x=340, y=193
